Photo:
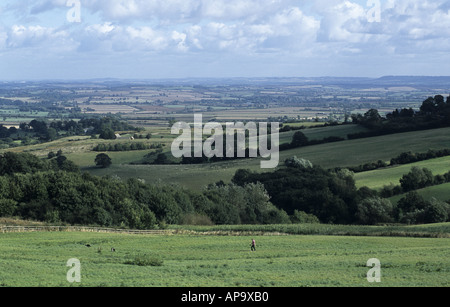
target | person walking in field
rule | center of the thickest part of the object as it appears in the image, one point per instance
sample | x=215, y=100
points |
x=253, y=248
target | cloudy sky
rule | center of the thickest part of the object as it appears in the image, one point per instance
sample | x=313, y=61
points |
x=80, y=39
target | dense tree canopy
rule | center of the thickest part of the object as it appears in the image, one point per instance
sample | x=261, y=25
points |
x=103, y=160
x=42, y=189
x=329, y=196
x=433, y=113
x=53, y=189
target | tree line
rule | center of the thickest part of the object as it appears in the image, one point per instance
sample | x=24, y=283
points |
x=45, y=131
x=332, y=197
x=54, y=190
x=126, y=146
x=40, y=189
x=433, y=113
x=403, y=158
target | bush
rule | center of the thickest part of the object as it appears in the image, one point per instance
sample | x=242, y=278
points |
x=413, y=209
x=299, y=139
x=145, y=260
x=298, y=163
x=122, y=146
x=436, y=211
x=327, y=195
x=136, y=215
x=7, y=207
x=374, y=210
x=416, y=179
x=390, y=190
x=197, y=219
x=103, y=160
x=410, y=208
x=107, y=134
x=248, y=204
x=52, y=217
x=301, y=217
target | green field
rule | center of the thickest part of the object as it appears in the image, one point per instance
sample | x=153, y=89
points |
x=39, y=259
x=35, y=253
x=440, y=192
x=376, y=179
x=319, y=133
x=367, y=150
x=339, y=154
x=344, y=154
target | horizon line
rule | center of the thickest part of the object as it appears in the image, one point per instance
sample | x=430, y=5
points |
x=94, y=79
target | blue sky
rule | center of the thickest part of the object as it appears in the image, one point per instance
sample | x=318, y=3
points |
x=223, y=38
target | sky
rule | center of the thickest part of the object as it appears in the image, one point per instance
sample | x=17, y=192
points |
x=155, y=39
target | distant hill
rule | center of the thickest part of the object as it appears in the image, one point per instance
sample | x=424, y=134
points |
x=388, y=81
x=443, y=81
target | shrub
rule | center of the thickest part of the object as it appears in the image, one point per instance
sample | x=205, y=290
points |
x=145, y=260
x=413, y=209
x=436, y=211
x=301, y=217
x=107, y=133
x=197, y=219
x=374, y=210
x=52, y=216
x=7, y=207
x=136, y=215
x=298, y=163
x=417, y=178
x=410, y=208
x=390, y=190
x=299, y=139
x=103, y=160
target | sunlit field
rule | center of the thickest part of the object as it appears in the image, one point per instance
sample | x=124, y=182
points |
x=39, y=259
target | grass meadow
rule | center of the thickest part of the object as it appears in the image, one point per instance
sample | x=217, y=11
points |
x=376, y=179
x=339, y=154
x=343, y=154
x=367, y=150
x=39, y=260
x=440, y=192
x=220, y=256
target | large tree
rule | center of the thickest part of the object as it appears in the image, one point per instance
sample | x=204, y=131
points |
x=417, y=178
x=299, y=139
x=103, y=160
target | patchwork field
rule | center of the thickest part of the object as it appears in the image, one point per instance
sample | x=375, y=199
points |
x=344, y=154
x=339, y=154
x=287, y=255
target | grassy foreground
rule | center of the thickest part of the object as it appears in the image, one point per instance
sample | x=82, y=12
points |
x=39, y=259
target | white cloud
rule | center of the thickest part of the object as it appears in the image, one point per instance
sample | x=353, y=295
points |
x=20, y=36
x=46, y=5
x=143, y=10
x=101, y=29
x=146, y=38
x=263, y=30
x=3, y=39
x=342, y=22
x=175, y=11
